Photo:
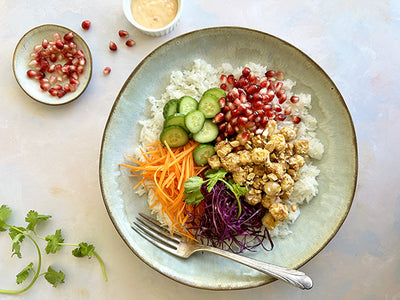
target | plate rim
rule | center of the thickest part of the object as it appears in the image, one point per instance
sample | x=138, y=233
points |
x=88, y=57
x=353, y=132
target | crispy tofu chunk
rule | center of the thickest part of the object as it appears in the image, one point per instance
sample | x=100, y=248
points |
x=278, y=140
x=296, y=162
x=301, y=147
x=279, y=211
x=272, y=188
x=289, y=133
x=240, y=176
x=269, y=221
x=259, y=156
x=244, y=157
x=214, y=162
x=253, y=196
x=230, y=162
x=287, y=183
x=223, y=148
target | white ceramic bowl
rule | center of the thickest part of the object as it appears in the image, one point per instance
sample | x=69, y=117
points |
x=22, y=58
x=126, y=5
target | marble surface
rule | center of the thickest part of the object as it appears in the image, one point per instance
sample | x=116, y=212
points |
x=49, y=155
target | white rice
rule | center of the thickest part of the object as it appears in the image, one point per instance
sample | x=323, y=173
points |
x=202, y=76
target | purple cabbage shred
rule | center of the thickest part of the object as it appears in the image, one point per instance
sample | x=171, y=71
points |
x=219, y=226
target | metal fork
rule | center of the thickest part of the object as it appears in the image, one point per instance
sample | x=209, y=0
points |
x=178, y=245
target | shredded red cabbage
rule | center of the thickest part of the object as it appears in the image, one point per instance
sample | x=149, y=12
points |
x=219, y=225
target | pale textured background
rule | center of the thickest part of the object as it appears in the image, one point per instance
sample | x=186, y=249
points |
x=49, y=155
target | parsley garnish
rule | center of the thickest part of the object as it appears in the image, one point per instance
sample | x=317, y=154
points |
x=193, y=186
x=54, y=243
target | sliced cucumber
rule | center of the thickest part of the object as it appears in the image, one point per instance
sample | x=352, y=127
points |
x=202, y=153
x=170, y=108
x=176, y=119
x=187, y=104
x=175, y=136
x=194, y=121
x=209, y=105
x=217, y=92
x=207, y=134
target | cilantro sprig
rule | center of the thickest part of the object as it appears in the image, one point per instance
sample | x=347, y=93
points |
x=193, y=186
x=54, y=243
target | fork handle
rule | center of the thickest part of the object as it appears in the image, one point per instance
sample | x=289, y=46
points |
x=291, y=276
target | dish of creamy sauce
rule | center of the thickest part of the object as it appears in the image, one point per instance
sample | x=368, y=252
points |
x=154, y=14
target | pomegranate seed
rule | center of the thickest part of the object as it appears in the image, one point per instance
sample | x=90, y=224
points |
x=80, y=53
x=282, y=98
x=270, y=73
x=237, y=102
x=279, y=75
x=296, y=119
x=67, y=88
x=250, y=125
x=223, y=86
x=61, y=93
x=280, y=117
x=294, y=99
x=264, y=83
x=287, y=111
x=31, y=73
x=123, y=33
x=241, y=108
x=223, y=79
x=51, y=69
x=74, y=81
x=130, y=43
x=229, y=129
x=244, y=137
x=59, y=44
x=45, y=86
x=228, y=116
x=45, y=43
x=82, y=61
x=222, y=102
x=53, y=91
x=264, y=120
x=219, y=117
x=80, y=69
x=242, y=120
x=40, y=75
x=257, y=97
x=270, y=114
x=86, y=24
x=277, y=108
x=69, y=36
x=234, y=121
x=235, y=113
x=246, y=71
x=278, y=86
x=242, y=82
x=231, y=79
x=52, y=79
x=57, y=87
x=113, y=46
x=53, y=57
x=222, y=127
x=106, y=70
x=235, y=93
x=258, y=105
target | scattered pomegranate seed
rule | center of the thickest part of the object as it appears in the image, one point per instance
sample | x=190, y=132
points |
x=69, y=36
x=296, y=119
x=86, y=24
x=113, y=46
x=106, y=70
x=294, y=99
x=279, y=75
x=123, y=33
x=130, y=43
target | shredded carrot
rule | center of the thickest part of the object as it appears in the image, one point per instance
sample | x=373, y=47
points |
x=165, y=170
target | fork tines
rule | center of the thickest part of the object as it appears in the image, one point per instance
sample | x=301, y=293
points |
x=152, y=231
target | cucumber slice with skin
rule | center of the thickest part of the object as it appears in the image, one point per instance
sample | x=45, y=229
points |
x=170, y=108
x=202, y=153
x=217, y=92
x=209, y=105
x=176, y=119
x=194, y=121
x=187, y=104
x=175, y=136
x=207, y=134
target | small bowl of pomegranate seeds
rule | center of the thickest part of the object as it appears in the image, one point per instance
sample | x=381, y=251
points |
x=52, y=64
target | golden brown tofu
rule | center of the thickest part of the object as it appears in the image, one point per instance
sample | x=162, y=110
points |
x=223, y=148
x=214, y=162
x=259, y=156
x=301, y=147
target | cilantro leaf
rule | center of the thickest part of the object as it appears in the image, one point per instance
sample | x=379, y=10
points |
x=237, y=189
x=23, y=275
x=193, y=184
x=194, y=198
x=83, y=250
x=213, y=176
x=17, y=237
x=54, y=277
x=5, y=212
x=53, y=242
x=33, y=217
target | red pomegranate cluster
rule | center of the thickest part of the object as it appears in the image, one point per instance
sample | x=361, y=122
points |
x=251, y=102
x=57, y=64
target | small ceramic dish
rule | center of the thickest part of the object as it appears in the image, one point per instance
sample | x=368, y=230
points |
x=22, y=59
x=126, y=5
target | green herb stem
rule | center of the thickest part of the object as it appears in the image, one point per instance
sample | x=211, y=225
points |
x=38, y=268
